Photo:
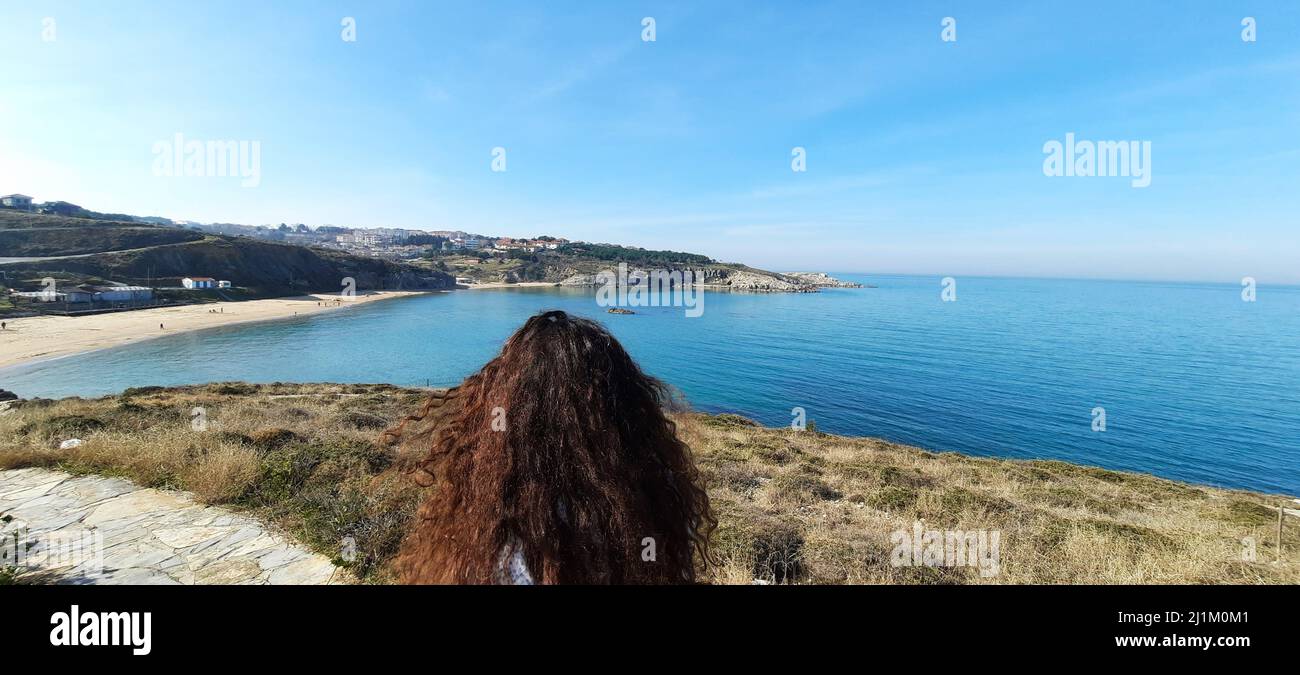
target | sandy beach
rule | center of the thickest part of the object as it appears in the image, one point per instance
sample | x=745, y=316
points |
x=29, y=339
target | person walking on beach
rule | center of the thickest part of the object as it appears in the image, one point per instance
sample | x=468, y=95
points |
x=556, y=464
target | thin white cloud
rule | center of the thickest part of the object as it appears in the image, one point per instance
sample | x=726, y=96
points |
x=590, y=66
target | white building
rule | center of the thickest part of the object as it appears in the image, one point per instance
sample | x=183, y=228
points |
x=88, y=294
x=40, y=296
x=199, y=282
x=362, y=238
x=122, y=293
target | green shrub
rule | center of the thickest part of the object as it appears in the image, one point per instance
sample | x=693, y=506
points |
x=892, y=498
x=63, y=426
x=803, y=488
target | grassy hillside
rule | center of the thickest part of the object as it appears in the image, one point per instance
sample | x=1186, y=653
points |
x=557, y=265
x=58, y=241
x=25, y=234
x=74, y=212
x=162, y=256
x=11, y=219
x=571, y=261
x=794, y=507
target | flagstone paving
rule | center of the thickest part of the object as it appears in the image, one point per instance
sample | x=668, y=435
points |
x=96, y=530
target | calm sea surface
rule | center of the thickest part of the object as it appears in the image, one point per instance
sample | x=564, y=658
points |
x=1196, y=384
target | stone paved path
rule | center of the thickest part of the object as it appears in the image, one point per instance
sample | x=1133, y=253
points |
x=96, y=530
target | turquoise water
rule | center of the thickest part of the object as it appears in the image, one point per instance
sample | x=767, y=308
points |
x=1197, y=385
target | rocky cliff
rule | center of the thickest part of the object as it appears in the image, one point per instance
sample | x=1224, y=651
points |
x=749, y=280
x=822, y=280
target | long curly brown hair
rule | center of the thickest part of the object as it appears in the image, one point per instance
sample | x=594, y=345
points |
x=559, y=447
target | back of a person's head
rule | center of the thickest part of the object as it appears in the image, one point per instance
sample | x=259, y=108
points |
x=559, y=445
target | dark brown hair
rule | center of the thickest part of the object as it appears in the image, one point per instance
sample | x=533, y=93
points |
x=560, y=446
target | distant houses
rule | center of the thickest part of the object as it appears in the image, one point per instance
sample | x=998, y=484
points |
x=403, y=244
x=201, y=283
x=362, y=238
x=59, y=209
x=88, y=294
x=85, y=298
x=16, y=201
x=527, y=245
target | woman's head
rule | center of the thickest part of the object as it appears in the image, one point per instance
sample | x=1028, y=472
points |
x=561, y=445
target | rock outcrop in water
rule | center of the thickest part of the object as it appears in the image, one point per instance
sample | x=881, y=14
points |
x=764, y=283
x=749, y=280
x=822, y=280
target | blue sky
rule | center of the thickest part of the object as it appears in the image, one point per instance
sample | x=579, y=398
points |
x=923, y=156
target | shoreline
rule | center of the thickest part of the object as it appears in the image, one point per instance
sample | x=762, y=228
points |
x=39, y=339
x=35, y=339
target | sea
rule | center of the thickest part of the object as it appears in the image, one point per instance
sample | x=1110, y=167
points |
x=1188, y=381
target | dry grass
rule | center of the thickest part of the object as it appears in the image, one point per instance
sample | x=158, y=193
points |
x=302, y=457
x=808, y=507
x=794, y=507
